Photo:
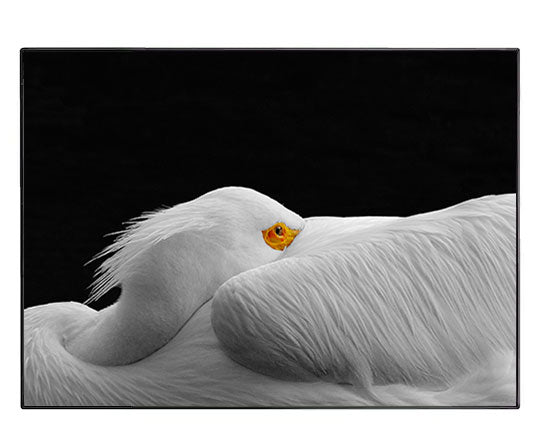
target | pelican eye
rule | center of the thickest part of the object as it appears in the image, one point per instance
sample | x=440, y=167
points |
x=279, y=236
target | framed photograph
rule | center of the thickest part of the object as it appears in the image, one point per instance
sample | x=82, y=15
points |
x=269, y=228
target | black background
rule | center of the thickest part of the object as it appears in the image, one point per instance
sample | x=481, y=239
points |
x=110, y=134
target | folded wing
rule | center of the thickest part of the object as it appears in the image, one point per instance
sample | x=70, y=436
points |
x=420, y=300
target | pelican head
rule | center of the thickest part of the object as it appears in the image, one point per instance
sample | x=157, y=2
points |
x=249, y=223
x=170, y=262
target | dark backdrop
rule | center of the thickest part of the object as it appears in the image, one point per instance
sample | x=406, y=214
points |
x=110, y=134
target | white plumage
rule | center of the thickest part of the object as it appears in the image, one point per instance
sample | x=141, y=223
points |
x=355, y=312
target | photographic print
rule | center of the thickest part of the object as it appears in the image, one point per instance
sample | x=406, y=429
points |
x=287, y=228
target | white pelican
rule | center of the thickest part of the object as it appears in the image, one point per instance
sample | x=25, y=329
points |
x=233, y=300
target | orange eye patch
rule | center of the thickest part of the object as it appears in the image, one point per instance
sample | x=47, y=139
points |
x=279, y=236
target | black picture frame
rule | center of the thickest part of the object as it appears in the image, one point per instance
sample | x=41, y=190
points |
x=107, y=134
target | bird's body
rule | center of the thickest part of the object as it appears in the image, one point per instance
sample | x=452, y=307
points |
x=356, y=312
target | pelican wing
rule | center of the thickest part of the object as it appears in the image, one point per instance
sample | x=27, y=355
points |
x=422, y=300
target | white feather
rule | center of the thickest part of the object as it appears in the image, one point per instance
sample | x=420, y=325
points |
x=407, y=311
x=419, y=301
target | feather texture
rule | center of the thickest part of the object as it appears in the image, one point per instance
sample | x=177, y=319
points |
x=419, y=301
x=356, y=312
